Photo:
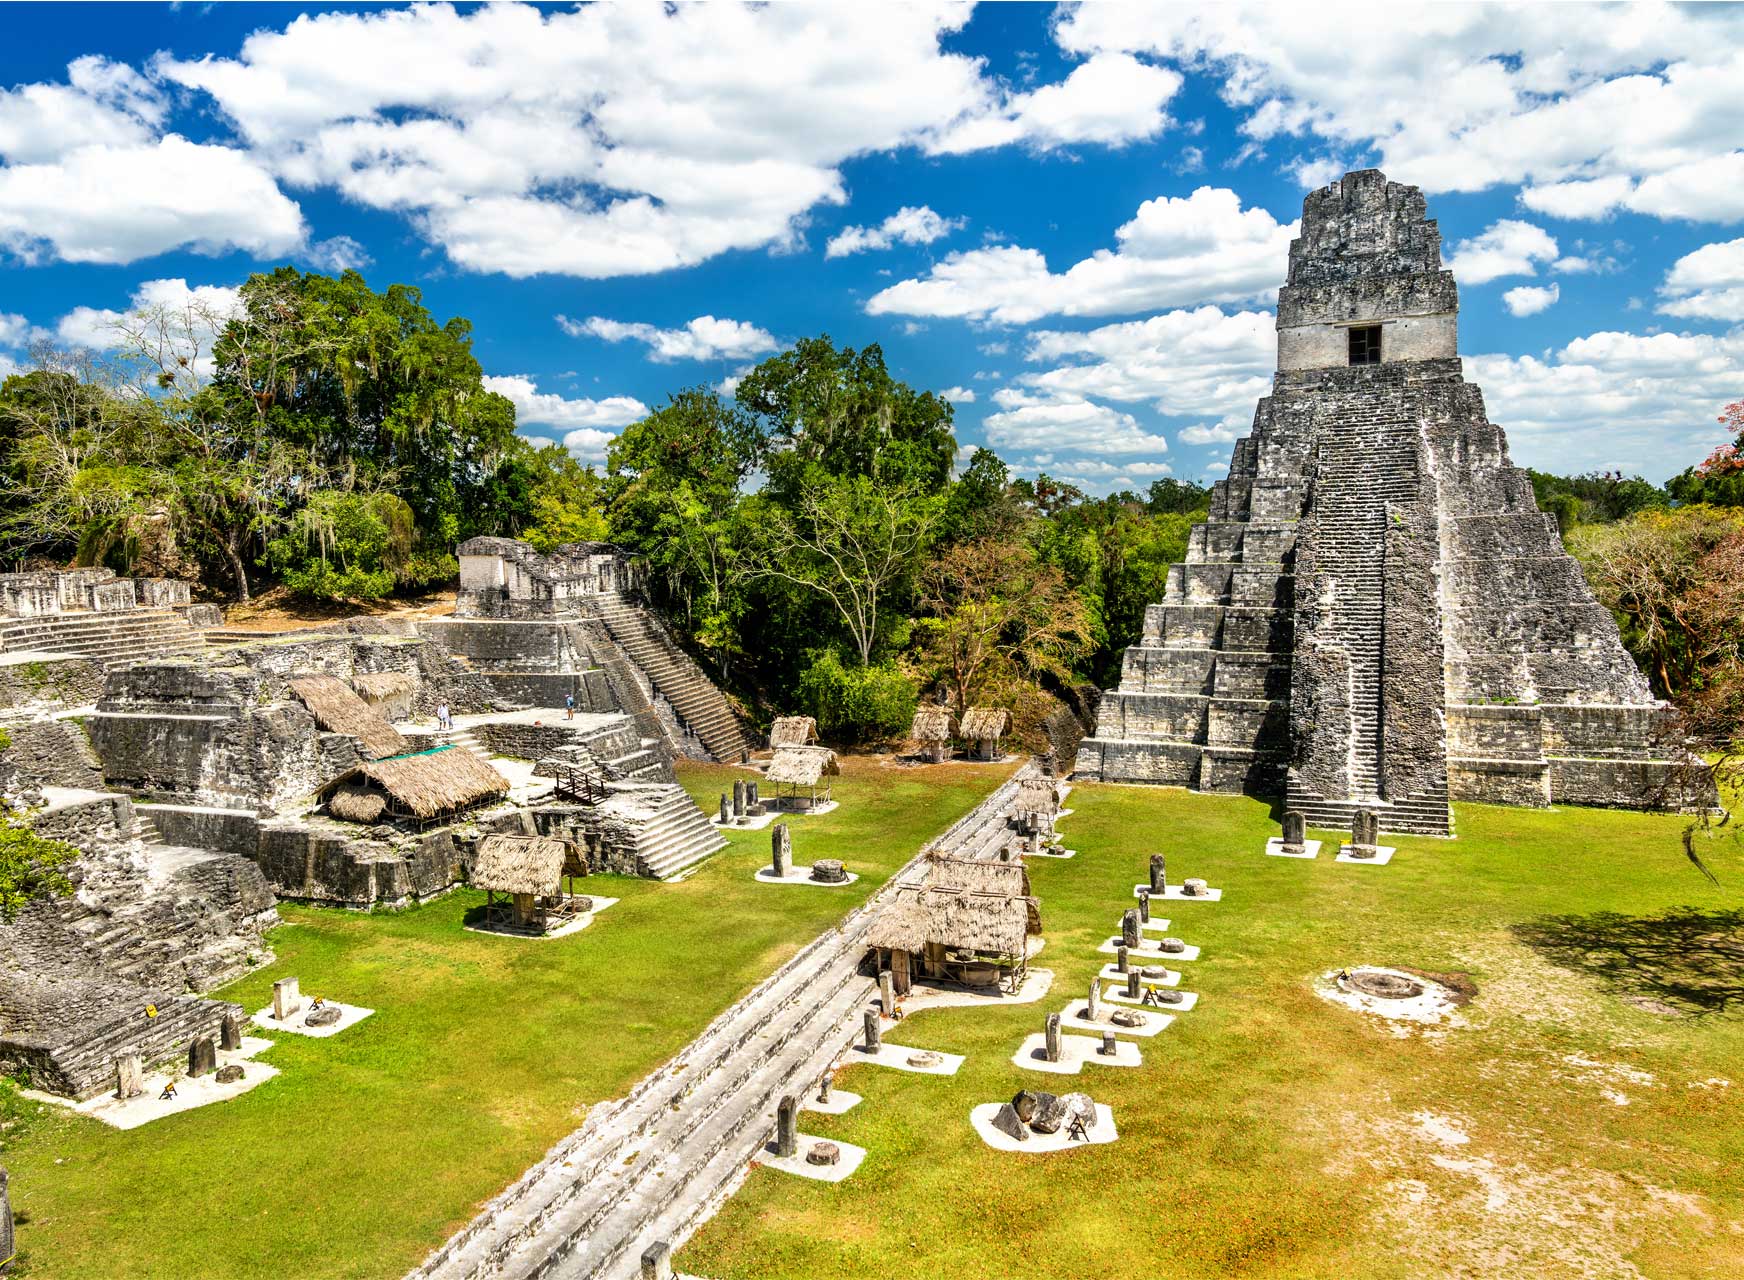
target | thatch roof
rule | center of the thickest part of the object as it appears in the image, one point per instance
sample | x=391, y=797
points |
x=377, y=685
x=339, y=710
x=992, y=922
x=802, y=766
x=931, y=724
x=430, y=783
x=1038, y=795
x=982, y=875
x=522, y=864
x=357, y=803
x=984, y=722
x=792, y=731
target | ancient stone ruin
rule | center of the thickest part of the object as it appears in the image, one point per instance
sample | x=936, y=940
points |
x=1376, y=613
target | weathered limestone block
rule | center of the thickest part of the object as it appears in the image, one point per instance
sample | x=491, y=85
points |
x=787, y=1126
x=873, y=1031
x=202, y=1056
x=287, y=1000
x=1051, y=1037
x=1129, y=929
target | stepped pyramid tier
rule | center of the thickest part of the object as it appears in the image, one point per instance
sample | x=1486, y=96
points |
x=1375, y=613
x=574, y=622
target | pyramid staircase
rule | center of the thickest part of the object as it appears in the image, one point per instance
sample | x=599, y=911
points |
x=108, y=639
x=699, y=705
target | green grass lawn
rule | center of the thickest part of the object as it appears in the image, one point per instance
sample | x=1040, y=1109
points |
x=1271, y=1133
x=372, y=1147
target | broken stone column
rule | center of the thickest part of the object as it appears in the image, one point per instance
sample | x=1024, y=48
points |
x=738, y=799
x=1051, y=1031
x=1159, y=874
x=657, y=1261
x=726, y=810
x=824, y=1087
x=1107, y=1050
x=1295, y=831
x=887, y=993
x=1144, y=906
x=1120, y=961
x=202, y=1056
x=1129, y=928
x=129, y=1076
x=1365, y=830
x=286, y=998
x=1193, y=887
x=874, y=1037
x=753, y=795
x=787, y=1126
x=230, y=1033
x=1132, y=986
x=1094, y=1005
x=781, y=849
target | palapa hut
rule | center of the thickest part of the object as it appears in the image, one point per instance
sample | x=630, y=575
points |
x=984, y=727
x=801, y=768
x=338, y=710
x=969, y=924
x=389, y=693
x=792, y=731
x=536, y=876
x=931, y=732
x=1038, y=804
x=430, y=785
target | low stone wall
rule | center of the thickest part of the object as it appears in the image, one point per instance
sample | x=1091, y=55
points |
x=52, y=753
x=49, y=682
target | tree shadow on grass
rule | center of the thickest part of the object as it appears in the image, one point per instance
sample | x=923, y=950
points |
x=1690, y=960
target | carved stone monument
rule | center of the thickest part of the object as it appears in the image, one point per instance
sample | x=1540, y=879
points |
x=1051, y=1033
x=1093, y=1006
x=781, y=850
x=787, y=1126
x=1144, y=906
x=1365, y=833
x=1295, y=831
x=286, y=999
x=1159, y=873
x=1121, y=961
x=230, y=1033
x=657, y=1261
x=129, y=1077
x=887, y=992
x=202, y=1056
x=1129, y=930
x=1132, y=986
x=874, y=1034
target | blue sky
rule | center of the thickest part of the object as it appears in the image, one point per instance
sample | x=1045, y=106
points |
x=1073, y=219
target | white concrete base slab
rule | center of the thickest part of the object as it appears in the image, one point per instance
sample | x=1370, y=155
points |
x=1173, y=894
x=776, y=813
x=1075, y=1051
x=1275, y=849
x=1159, y=926
x=1064, y=813
x=562, y=931
x=191, y=1092
x=927, y=995
x=1061, y=854
x=1118, y=996
x=802, y=875
x=1169, y=979
x=1383, y=855
x=1072, y=1019
x=1150, y=949
x=897, y=1055
x=852, y=1157
x=841, y=1102
x=349, y=1016
x=981, y=1119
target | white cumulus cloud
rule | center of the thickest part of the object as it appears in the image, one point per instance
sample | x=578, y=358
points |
x=958, y=395
x=587, y=425
x=1508, y=248
x=911, y=224
x=1707, y=284
x=704, y=338
x=1028, y=422
x=1529, y=300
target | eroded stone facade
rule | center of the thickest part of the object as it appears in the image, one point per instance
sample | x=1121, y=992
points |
x=1375, y=613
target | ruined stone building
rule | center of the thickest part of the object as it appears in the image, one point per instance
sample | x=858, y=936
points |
x=1376, y=613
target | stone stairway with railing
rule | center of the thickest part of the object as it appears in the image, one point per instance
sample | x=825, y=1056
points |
x=650, y=1167
x=698, y=704
x=677, y=838
x=106, y=638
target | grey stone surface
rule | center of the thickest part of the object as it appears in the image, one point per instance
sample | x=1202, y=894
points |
x=1051, y=1037
x=1375, y=582
x=1093, y=1005
x=287, y=998
x=1122, y=961
x=129, y=1076
x=873, y=1034
x=1295, y=831
x=656, y=1262
x=887, y=993
x=1159, y=873
x=787, y=1126
x=1144, y=906
x=7, y=1247
x=1008, y=1122
x=781, y=849
x=1365, y=828
x=1106, y=1048
x=823, y=1154
x=326, y=1016
x=1132, y=980
x=1025, y=1101
x=230, y=1032
x=1173, y=946
x=229, y=1073
x=202, y=1055
x=829, y=871
x=1129, y=929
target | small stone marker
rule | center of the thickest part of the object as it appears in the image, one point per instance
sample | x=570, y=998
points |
x=230, y=1032
x=824, y=1088
x=1050, y=1113
x=726, y=810
x=926, y=1058
x=202, y=1055
x=753, y=796
x=1010, y=1123
x=1025, y=1102
x=1126, y=1018
x=230, y=1073
x=1051, y=1031
x=1144, y=906
x=787, y=1127
x=781, y=850
x=1365, y=829
x=1132, y=986
x=824, y=1153
x=829, y=871
x=1107, y=1050
x=874, y=1037
x=1120, y=960
x=326, y=1016
x=1295, y=831
x=129, y=1076
x=657, y=1261
x=1168, y=995
x=1129, y=928
x=1174, y=946
x=887, y=992
x=1159, y=873
x=286, y=998
x=1093, y=1007
x=1193, y=887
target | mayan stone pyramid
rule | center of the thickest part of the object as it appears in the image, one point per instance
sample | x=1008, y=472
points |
x=1376, y=614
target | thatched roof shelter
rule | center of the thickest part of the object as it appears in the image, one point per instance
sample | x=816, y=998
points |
x=356, y=802
x=430, y=784
x=959, y=919
x=1038, y=795
x=792, y=731
x=338, y=710
x=802, y=766
x=524, y=864
x=931, y=724
x=984, y=722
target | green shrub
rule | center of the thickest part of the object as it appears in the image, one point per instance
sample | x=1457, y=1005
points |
x=355, y=546
x=857, y=704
